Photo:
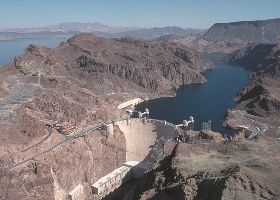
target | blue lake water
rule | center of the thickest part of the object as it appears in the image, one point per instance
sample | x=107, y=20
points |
x=205, y=102
x=208, y=101
x=11, y=48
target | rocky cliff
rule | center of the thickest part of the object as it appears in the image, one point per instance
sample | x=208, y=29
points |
x=253, y=57
x=49, y=95
x=235, y=169
x=263, y=31
x=261, y=97
x=229, y=37
x=215, y=171
x=156, y=67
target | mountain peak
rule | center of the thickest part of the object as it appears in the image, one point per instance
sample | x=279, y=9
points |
x=260, y=31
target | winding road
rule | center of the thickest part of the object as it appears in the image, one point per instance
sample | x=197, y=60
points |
x=70, y=138
x=258, y=127
x=50, y=132
x=67, y=139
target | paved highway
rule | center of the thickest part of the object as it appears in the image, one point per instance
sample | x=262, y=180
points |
x=50, y=131
x=67, y=139
x=259, y=128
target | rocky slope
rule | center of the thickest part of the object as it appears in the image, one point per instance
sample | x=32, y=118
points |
x=153, y=66
x=261, y=97
x=49, y=93
x=263, y=31
x=229, y=37
x=195, y=41
x=153, y=33
x=237, y=169
x=252, y=57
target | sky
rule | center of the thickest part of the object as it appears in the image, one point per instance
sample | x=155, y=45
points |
x=135, y=13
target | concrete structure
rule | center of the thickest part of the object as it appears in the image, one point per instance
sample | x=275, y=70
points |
x=144, y=114
x=206, y=126
x=77, y=193
x=145, y=139
x=250, y=131
x=130, y=103
x=251, y=127
x=109, y=128
x=136, y=169
x=187, y=125
x=113, y=180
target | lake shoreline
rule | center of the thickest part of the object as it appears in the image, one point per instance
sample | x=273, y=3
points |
x=164, y=108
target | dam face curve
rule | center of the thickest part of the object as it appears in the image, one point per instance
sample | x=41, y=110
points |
x=144, y=146
x=145, y=139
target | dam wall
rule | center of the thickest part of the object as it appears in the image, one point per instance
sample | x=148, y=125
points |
x=145, y=142
x=145, y=139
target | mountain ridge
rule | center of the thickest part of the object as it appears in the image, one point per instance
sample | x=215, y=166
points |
x=71, y=28
x=259, y=31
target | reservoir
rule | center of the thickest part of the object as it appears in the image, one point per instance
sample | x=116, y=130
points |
x=11, y=48
x=208, y=101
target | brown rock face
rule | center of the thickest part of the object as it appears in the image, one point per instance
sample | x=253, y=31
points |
x=262, y=96
x=228, y=37
x=154, y=66
x=262, y=31
x=77, y=84
x=215, y=171
x=54, y=174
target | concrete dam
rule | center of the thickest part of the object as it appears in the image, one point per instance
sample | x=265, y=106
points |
x=144, y=145
x=145, y=139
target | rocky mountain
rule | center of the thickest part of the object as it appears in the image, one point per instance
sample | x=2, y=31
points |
x=224, y=38
x=261, y=97
x=46, y=94
x=153, y=33
x=168, y=65
x=252, y=56
x=262, y=31
x=261, y=58
x=66, y=30
x=237, y=168
x=214, y=171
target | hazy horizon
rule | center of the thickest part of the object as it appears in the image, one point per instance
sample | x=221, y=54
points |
x=200, y=14
x=93, y=22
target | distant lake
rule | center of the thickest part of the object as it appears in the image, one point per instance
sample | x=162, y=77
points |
x=11, y=48
x=208, y=101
